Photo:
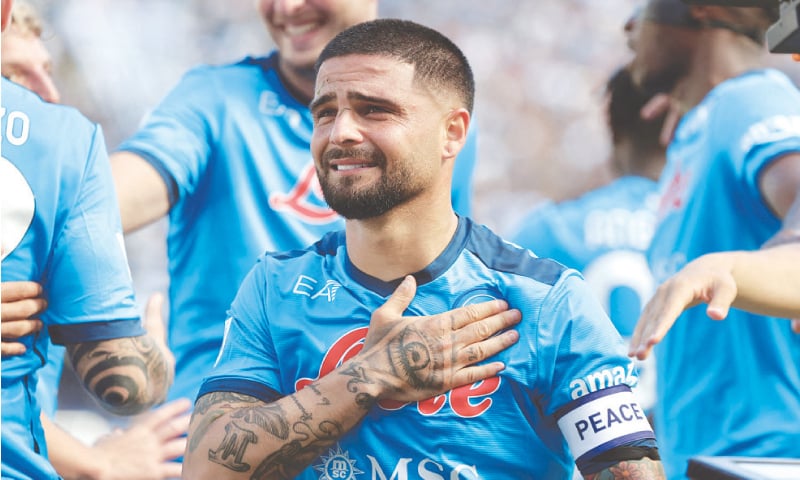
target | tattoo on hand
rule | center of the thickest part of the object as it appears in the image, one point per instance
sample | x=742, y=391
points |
x=410, y=351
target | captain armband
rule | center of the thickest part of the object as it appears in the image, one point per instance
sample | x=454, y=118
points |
x=606, y=420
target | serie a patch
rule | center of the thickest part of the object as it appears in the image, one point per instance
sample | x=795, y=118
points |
x=602, y=420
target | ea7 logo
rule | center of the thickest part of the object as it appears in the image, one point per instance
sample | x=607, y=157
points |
x=309, y=287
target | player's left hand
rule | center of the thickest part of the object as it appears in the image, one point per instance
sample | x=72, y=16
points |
x=21, y=302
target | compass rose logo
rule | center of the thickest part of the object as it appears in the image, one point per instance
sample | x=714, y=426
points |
x=337, y=466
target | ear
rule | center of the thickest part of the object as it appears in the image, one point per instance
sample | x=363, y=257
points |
x=456, y=127
x=6, y=13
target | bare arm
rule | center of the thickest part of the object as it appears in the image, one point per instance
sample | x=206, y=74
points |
x=21, y=302
x=141, y=191
x=644, y=469
x=237, y=436
x=765, y=281
x=128, y=375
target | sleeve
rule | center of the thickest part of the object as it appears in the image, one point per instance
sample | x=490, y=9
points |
x=585, y=367
x=177, y=137
x=88, y=283
x=247, y=362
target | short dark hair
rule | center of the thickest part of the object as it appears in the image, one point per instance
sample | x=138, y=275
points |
x=625, y=102
x=436, y=59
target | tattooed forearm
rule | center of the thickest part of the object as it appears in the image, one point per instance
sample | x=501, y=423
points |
x=643, y=469
x=127, y=375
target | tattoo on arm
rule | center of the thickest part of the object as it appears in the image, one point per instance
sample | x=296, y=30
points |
x=128, y=375
x=643, y=469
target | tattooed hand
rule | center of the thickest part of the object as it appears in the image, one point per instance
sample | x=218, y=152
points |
x=414, y=358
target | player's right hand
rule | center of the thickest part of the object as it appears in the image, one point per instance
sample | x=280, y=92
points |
x=21, y=302
x=415, y=358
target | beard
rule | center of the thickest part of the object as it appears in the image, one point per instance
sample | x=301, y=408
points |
x=392, y=189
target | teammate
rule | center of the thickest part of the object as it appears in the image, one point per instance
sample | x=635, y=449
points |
x=226, y=155
x=317, y=378
x=59, y=216
x=605, y=232
x=732, y=174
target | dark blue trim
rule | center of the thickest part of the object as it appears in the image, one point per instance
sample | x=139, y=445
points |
x=163, y=172
x=427, y=274
x=586, y=461
x=588, y=398
x=95, y=331
x=241, y=386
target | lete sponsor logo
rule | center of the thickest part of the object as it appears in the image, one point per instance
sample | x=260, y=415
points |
x=467, y=401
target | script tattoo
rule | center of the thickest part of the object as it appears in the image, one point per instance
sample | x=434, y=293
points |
x=270, y=417
x=358, y=376
x=231, y=450
x=411, y=352
x=122, y=373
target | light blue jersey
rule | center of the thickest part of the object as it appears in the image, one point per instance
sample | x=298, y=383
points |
x=604, y=234
x=60, y=228
x=300, y=314
x=730, y=387
x=233, y=146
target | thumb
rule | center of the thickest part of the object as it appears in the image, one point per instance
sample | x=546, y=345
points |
x=400, y=299
x=722, y=297
x=796, y=325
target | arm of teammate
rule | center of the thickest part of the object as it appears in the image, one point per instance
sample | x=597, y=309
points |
x=21, y=302
x=765, y=281
x=144, y=451
x=238, y=436
x=141, y=191
x=131, y=374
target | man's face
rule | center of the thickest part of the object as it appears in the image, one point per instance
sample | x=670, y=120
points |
x=378, y=135
x=662, y=55
x=302, y=28
x=25, y=61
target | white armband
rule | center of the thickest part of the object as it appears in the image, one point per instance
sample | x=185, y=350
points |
x=603, y=420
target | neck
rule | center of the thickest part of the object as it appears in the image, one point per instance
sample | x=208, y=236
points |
x=722, y=55
x=403, y=241
x=298, y=81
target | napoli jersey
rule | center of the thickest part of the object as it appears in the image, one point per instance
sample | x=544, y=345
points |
x=60, y=228
x=733, y=386
x=241, y=180
x=604, y=233
x=300, y=314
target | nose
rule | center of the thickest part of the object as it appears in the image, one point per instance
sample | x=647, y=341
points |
x=286, y=7
x=345, y=129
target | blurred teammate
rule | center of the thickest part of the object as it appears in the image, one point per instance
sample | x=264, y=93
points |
x=605, y=232
x=140, y=452
x=61, y=229
x=226, y=156
x=731, y=177
x=322, y=376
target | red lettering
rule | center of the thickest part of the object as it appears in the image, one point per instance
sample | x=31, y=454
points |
x=460, y=397
x=342, y=350
x=297, y=199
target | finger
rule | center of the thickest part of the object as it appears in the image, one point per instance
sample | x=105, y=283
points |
x=469, y=314
x=164, y=414
x=796, y=325
x=13, y=329
x=656, y=319
x=474, y=373
x=13, y=291
x=173, y=449
x=486, y=328
x=669, y=126
x=399, y=300
x=171, y=469
x=655, y=107
x=10, y=349
x=480, y=351
x=22, y=309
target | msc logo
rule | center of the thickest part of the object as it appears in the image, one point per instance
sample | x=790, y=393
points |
x=337, y=466
x=308, y=286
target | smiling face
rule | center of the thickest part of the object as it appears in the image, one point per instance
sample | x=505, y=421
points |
x=379, y=136
x=301, y=28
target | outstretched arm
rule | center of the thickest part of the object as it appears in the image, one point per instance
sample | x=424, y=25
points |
x=237, y=436
x=141, y=191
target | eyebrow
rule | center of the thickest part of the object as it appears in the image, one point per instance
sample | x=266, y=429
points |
x=352, y=96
